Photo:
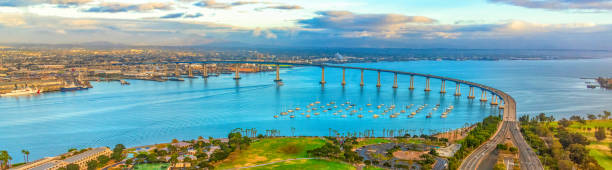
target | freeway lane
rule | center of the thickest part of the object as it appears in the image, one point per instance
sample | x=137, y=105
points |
x=528, y=159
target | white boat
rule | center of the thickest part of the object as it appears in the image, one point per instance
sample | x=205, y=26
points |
x=21, y=92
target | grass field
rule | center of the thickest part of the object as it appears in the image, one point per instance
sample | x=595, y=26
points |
x=270, y=150
x=151, y=166
x=593, y=124
x=307, y=164
x=605, y=160
x=372, y=168
x=598, y=149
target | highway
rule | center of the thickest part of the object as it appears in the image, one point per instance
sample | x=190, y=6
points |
x=509, y=128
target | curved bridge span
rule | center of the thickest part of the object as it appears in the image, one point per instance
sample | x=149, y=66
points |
x=509, y=129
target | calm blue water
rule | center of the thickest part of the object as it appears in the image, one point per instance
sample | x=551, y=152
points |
x=149, y=112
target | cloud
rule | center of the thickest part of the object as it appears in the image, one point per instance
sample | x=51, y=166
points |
x=379, y=25
x=16, y=3
x=12, y=20
x=560, y=4
x=196, y=15
x=523, y=26
x=173, y=15
x=444, y=35
x=45, y=29
x=257, y=32
x=220, y=5
x=123, y=7
x=181, y=14
x=285, y=7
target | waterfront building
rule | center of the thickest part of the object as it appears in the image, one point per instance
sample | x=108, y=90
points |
x=53, y=163
x=82, y=158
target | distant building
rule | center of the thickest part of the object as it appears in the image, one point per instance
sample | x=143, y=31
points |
x=181, y=144
x=53, y=163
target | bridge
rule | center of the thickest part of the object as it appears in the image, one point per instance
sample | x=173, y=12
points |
x=508, y=127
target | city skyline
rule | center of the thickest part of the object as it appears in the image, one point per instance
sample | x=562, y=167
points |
x=489, y=24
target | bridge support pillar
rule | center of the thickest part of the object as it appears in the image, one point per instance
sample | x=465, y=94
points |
x=204, y=71
x=427, y=84
x=483, y=96
x=378, y=81
x=361, y=84
x=493, y=100
x=458, y=89
x=343, y=76
x=322, y=75
x=395, y=80
x=411, y=82
x=177, y=73
x=277, y=74
x=190, y=71
x=166, y=70
x=471, y=94
x=501, y=104
x=237, y=77
x=443, y=88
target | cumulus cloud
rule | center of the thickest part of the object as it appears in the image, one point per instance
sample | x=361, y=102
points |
x=124, y=7
x=560, y=4
x=15, y=3
x=380, y=25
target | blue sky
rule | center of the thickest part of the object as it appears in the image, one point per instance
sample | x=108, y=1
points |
x=500, y=24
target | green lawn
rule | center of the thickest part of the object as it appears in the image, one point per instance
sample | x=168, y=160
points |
x=602, y=159
x=372, y=141
x=151, y=166
x=308, y=164
x=372, y=168
x=593, y=124
x=597, y=149
x=270, y=150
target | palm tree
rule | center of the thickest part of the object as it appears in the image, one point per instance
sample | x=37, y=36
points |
x=2, y=159
x=26, y=155
x=5, y=158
